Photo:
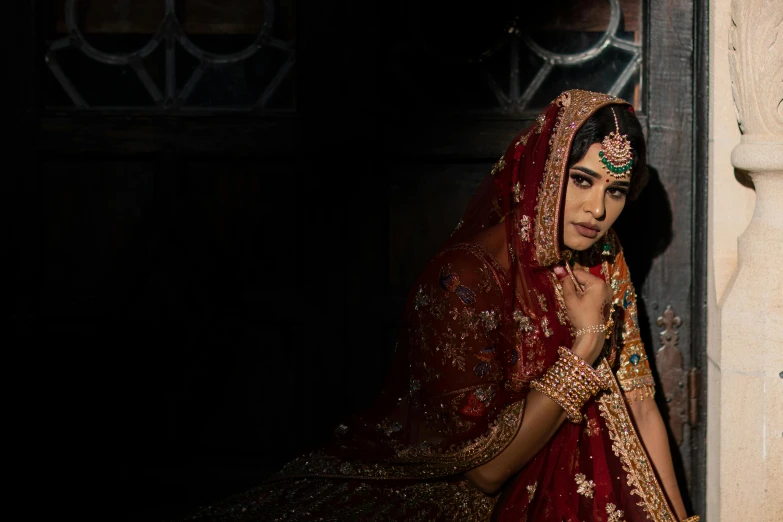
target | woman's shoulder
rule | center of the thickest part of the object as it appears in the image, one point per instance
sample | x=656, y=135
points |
x=465, y=264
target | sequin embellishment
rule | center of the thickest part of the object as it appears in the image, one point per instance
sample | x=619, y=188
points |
x=586, y=487
x=615, y=515
x=531, y=491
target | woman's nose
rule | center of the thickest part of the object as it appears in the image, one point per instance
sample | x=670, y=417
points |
x=595, y=203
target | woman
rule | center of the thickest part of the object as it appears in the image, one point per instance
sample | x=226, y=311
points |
x=520, y=389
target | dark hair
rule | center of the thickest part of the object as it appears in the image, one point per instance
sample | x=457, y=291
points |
x=602, y=123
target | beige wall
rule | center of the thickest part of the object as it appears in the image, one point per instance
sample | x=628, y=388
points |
x=730, y=210
x=731, y=204
x=745, y=347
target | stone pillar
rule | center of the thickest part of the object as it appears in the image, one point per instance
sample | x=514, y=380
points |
x=749, y=370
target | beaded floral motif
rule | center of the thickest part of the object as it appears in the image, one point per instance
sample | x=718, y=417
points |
x=489, y=319
x=542, y=301
x=545, y=327
x=615, y=515
x=585, y=487
x=524, y=228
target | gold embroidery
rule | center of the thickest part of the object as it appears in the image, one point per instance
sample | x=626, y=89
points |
x=490, y=319
x=586, y=487
x=498, y=167
x=524, y=324
x=615, y=515
x=424, y=461
x=519, y=194
x=416, y=462
x=452, y=354
x=626, y=446
x=522, y=141
x=307, y=499
x=542, y=301
x=531, y=491
x=592, y=428
x=421, y=300
x=640, y=393
x=545, y=327
x=524, y=228
x=575, y=107
x=562, y=311
x=633, y=371
x=540, y=121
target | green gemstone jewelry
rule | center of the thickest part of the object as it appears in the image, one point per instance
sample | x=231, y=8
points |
x=616, y=154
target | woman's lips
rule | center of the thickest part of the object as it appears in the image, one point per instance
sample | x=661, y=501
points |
x=586, y=231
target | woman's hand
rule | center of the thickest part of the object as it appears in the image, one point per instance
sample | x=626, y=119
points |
x=588, y=308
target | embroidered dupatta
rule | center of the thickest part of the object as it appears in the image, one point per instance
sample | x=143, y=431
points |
x=473, y=337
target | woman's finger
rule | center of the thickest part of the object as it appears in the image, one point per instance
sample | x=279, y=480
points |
x=568, y=289
x=586, y=278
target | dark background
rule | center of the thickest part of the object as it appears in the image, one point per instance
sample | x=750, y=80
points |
x=199, y=296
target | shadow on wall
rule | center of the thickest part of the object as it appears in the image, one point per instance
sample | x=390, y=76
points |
x=743, y=176
x=645, y=231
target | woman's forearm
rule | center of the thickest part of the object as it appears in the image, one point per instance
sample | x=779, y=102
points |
x=543, y=416
x=652, y=431
x=541, y=420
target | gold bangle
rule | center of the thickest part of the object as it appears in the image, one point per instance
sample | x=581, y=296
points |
x=570, y=382
x=596, y=328
x=694, y=518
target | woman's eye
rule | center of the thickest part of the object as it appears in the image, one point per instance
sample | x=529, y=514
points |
x=581, y=181
x=617, y=193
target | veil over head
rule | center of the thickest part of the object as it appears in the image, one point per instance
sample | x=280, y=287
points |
x=474, y=335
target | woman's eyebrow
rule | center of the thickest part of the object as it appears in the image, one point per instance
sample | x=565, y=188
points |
x=587, y=171
x=596, y=175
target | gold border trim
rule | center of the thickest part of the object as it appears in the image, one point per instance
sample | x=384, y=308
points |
x=635, y=461
x=415, y=462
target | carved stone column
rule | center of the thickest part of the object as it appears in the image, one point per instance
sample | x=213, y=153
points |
x=751, y=354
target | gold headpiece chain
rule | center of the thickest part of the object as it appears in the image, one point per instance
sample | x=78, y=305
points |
x=616, y=154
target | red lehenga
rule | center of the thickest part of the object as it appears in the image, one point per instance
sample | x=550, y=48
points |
x=474, y=336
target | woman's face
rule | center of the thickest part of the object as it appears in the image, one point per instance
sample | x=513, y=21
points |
x=593, y=202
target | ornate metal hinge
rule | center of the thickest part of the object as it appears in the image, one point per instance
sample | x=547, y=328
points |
x=680, y=390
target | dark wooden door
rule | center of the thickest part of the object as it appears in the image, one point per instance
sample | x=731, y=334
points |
x=218, y=229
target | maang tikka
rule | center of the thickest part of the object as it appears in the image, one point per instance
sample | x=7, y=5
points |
x=616, y=154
